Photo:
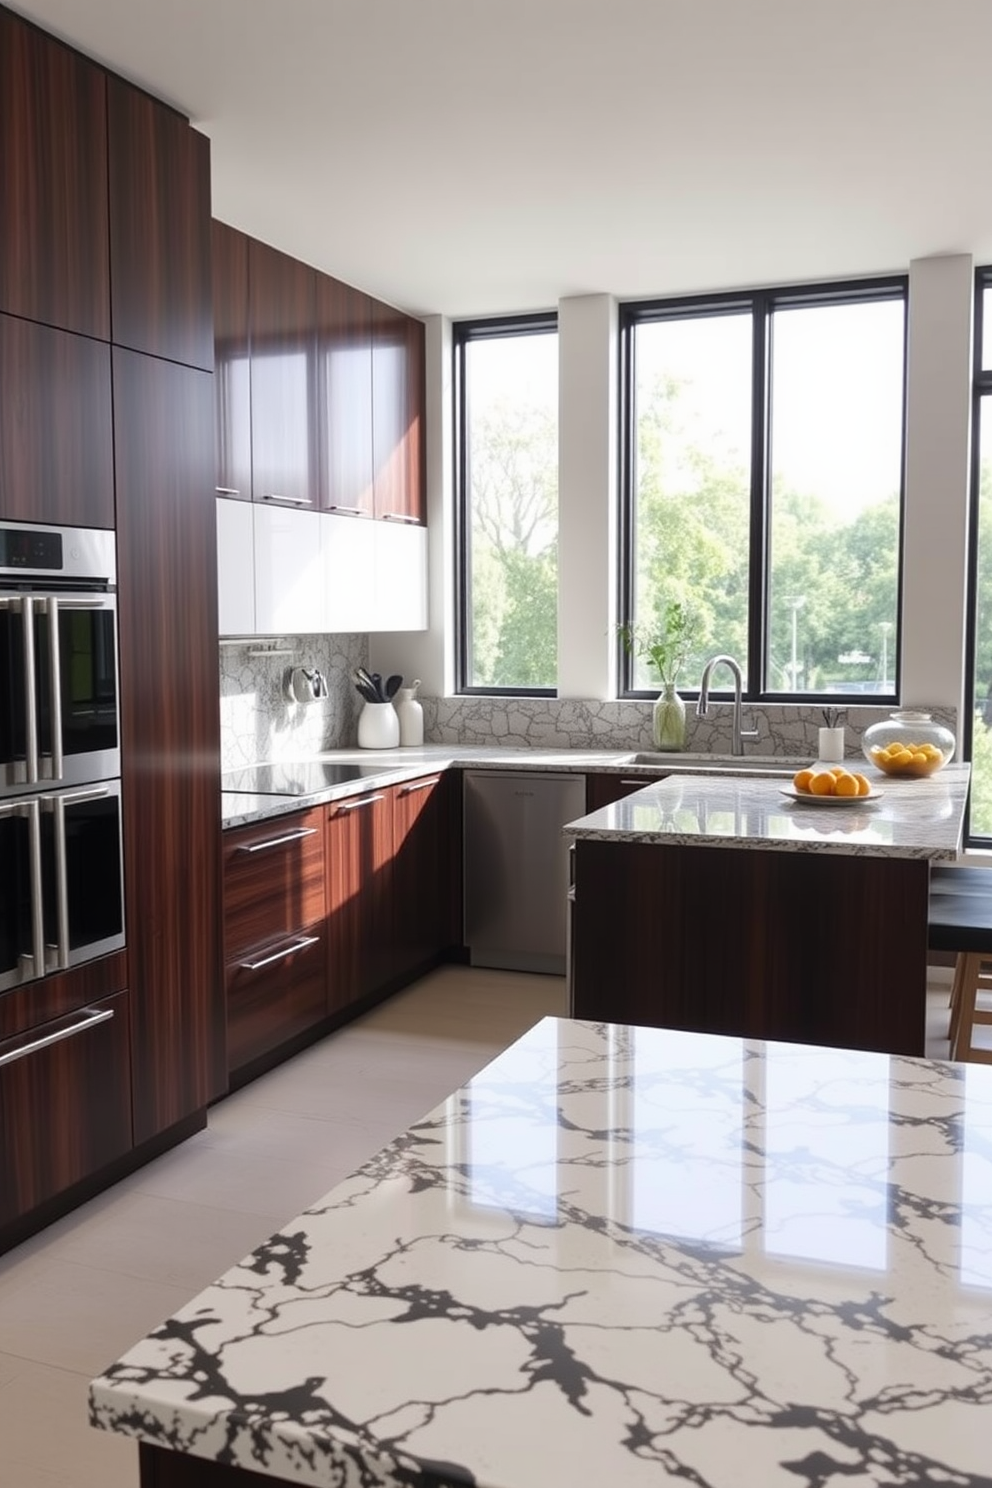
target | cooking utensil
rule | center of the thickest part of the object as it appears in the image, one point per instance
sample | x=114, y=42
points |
x=377, y=684
x=392, y=684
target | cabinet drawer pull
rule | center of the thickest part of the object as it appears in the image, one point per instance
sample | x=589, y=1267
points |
x=276, y=841
x=400, y=517
x=298, y=945
x=352, y=511
x=226, y=491
x=88, y=1018
x=357, y=805
x=646, y=780
x=290, y=500
x=418, y=785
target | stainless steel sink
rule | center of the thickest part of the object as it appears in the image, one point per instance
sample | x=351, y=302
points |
x=719, y=764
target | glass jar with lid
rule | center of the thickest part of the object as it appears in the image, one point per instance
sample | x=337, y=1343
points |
x=908, y=744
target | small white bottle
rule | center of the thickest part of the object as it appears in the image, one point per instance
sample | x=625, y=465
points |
x=410, y=714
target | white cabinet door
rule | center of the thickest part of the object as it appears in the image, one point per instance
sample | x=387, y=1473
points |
x=235, y=568
x=349, y=572
x=400, y=577
x=289, y=571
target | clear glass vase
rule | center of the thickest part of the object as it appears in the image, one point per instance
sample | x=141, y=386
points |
x=668, y=719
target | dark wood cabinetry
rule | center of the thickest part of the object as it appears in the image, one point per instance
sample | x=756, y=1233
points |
x=603, y=789
x=56, y=428
x=159, y=229
x=282, y=320
x=232, y=346
x=426, y=872
x=167, y=600
x=344, y=387
x=398, y=376
x=274, y=933
x=359, y=851
x=65, y=1104
x=54, y=258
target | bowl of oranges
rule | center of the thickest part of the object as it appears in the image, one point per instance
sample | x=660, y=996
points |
x=830, y=785
x=908, y=745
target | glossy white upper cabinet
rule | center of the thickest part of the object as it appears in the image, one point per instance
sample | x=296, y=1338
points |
x=349, y=573
x=400, y=577
x=289, y=571
x=235, y=568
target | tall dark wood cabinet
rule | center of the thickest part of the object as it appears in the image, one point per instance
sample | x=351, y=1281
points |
x=54, y=256
x=398, y=374
x=359, y=850
x=232, y=347
x=159, y=229
x=426, y=872
x=170, y=734
x=344, y=391
x=283, y=382
x=56, y=427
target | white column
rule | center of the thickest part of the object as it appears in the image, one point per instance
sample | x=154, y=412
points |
x=587, y=480
x=429, y=654
x=938, y=458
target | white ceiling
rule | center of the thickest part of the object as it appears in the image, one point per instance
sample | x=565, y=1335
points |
x=477, y=156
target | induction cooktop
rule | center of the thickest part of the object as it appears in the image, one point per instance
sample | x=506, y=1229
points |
x=297, y=778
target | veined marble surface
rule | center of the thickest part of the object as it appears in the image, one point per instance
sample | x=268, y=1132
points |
x=617, y=1256
x=906, y=819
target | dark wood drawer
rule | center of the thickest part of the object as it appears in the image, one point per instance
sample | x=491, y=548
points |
x=65, y=1103
x=274, y=993
x=273, y=881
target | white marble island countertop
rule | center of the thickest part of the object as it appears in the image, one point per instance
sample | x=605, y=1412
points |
x=617, y=1256
x=903, y=819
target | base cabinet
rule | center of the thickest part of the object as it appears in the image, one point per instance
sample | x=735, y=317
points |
x=359, y=847
x=65, y=1103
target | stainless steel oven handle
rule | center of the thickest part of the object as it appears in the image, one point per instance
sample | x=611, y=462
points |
x=276, y=841
x=37, y=953
x=30, y=692
x=55, y=689
x=88, y=1018
x=297, y=945
x=57, y=805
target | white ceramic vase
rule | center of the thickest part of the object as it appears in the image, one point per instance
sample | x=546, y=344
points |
x=378, y=726
x=411, y=716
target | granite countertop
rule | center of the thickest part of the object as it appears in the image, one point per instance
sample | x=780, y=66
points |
x=239, y=808
x=619, y=1256
x=904, y=819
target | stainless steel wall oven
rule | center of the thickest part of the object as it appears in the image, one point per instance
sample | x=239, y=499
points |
x=61, y=877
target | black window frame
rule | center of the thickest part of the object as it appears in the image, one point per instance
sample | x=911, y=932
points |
x=463, y=333
x=761, y=304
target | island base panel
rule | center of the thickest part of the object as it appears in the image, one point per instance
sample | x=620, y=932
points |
x=812, y=948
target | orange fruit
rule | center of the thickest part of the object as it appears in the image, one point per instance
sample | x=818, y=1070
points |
x=845, y=785
x=822, y=783
x=801, y=779
x=837, y=770
x=864, y=785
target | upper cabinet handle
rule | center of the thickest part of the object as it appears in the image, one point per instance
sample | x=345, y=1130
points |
x=400, y=517
x=226, y=491
x=352, y=511
x=290, y=500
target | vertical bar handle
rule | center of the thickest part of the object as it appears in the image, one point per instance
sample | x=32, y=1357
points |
x=30, y=693
x=55, y=674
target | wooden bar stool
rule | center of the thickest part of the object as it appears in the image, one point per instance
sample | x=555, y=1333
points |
x=960, y=921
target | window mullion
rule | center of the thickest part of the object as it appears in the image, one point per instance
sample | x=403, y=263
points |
x=759, y=556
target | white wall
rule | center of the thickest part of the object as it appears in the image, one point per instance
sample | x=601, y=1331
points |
x=937, y=475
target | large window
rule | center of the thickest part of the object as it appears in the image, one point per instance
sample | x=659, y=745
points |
x=506, y=421
x=980, y=630
x=763, y=472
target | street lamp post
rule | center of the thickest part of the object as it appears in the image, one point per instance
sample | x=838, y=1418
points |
x=796, y=604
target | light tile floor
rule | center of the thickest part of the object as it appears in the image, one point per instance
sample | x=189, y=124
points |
x=76, y=1296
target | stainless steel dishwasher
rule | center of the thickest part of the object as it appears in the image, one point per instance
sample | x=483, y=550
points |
x=516, y=867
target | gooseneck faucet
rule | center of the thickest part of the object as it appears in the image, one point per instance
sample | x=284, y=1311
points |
x=703, y=706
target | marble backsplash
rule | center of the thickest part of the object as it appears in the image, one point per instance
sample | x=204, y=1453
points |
x=259, y=721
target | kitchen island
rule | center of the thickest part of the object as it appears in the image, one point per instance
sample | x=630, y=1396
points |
x=725, y=905
x=617, y=1256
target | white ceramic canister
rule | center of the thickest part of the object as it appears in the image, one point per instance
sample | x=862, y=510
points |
x=410, y=714
x=378, y=726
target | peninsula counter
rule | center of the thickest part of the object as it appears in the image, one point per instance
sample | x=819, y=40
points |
x=724, y=905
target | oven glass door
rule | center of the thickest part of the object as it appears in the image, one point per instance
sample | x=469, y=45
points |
x=21, y=947
x=82, y=874
x=78, y=729
x=13, y=702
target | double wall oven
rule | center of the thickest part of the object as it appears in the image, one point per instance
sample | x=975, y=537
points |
x=61, y=870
